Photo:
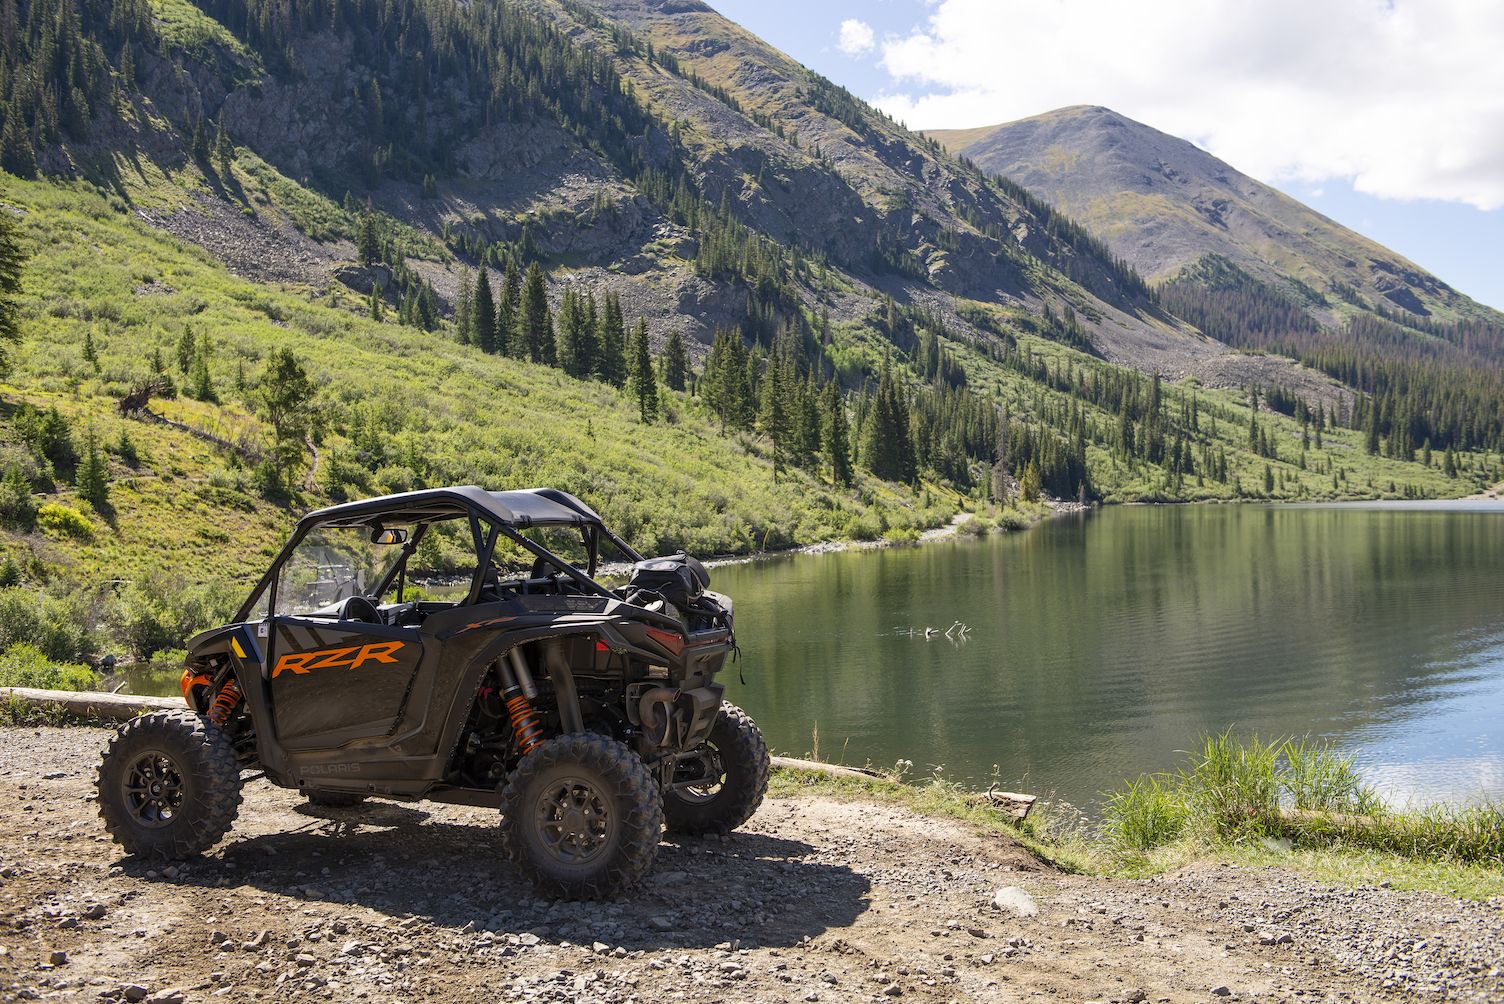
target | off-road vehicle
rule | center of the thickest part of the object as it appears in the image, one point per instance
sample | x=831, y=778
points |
x=455, y=644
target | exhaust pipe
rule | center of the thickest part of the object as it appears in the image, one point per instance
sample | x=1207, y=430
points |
x=650, y=705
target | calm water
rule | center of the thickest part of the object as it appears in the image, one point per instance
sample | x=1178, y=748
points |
x=1100, y=645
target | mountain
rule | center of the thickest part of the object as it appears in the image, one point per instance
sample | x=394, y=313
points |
x=1164, y=204
x=224, y=199
x=1257, y=270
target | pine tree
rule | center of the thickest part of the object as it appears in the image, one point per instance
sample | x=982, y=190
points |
x=887, y=443
x=537, y=323
x=773, y=418
x=612, y=366
x=93, y=475
x=18, y=510
x=200, y=383
x=187, y=346
x=367, y=240
x=464, y=306
x=224, y=150
x=643, y=384
x=836, y=436
x=576, y=337
x=675, y=363
x=91, y=351
x=285, y=399
x=376, y=308
x=200, y=144
x=1029, y=483
x=483, y=312
x=16, y=153
x=507, y=310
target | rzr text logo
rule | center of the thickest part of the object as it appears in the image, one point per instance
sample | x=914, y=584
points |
x=337, y=658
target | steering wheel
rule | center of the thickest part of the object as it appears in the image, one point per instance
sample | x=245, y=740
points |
x=359, y=608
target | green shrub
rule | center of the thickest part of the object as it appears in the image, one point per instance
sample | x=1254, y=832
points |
x=154, y=613
x=26, y=665
x=57, y=626
x=974, y=526
x=1012, y=520
x=1149, y=812
x=61, y=521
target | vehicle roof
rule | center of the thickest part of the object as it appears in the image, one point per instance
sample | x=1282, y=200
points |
x=522, y=508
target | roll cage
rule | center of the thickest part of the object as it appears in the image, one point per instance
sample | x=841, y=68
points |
x=490, y=516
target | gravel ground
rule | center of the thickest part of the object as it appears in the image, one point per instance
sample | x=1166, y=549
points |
x=819, y=900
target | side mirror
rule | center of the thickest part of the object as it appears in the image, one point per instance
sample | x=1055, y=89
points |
x=385, y=536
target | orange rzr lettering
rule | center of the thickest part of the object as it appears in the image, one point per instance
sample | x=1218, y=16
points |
x=299, y=663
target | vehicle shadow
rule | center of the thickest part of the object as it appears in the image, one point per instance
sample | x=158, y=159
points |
x=751, y=888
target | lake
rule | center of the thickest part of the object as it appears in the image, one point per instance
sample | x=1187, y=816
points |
x=1099, y=645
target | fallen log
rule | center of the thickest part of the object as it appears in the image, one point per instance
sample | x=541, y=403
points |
x=834, y=770
x=1016, y=805
x=89, y=703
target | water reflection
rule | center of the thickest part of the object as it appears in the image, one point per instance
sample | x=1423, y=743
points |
x=1099, y=645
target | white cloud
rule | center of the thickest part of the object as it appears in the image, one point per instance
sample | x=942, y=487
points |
x=856, y=37
x=1405, y=98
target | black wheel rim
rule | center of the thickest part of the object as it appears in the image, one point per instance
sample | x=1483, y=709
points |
x=153, y=790
x=700, y=778
x=575, y=822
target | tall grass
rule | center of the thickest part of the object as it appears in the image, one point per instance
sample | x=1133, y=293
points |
x=1148, y=812
x=1233, y=790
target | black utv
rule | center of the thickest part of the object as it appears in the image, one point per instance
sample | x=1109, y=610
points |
x=454, y=644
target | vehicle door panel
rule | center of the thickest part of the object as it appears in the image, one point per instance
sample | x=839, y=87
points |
x=337, y=682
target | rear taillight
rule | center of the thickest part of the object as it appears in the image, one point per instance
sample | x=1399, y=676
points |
x=671, y=640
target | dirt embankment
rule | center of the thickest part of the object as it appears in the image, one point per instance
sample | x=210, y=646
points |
x=818, y=900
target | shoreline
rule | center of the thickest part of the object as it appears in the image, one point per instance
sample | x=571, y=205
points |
x=947, y=531
x=951, y=529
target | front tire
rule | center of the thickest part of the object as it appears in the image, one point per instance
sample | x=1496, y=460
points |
x=721, y=789
x=169, y=786
x=582, y=816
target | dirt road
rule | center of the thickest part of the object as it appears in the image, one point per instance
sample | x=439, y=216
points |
x=819, y=900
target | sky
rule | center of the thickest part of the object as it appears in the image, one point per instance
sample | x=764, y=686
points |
x=1386, y=115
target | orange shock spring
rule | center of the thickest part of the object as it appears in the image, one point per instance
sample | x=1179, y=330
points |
x=525, y=725
x=228, y=699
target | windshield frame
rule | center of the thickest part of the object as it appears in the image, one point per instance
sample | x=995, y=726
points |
x=484, y=543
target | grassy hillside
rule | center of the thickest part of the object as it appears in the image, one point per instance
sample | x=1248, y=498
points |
x=437, y=412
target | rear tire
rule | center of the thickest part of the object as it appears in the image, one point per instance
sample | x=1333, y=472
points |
x=334, y=799
x=733, y=769
x=582, y=817
x=169, y=785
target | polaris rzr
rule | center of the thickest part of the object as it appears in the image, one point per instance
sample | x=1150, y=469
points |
x=455, y=644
